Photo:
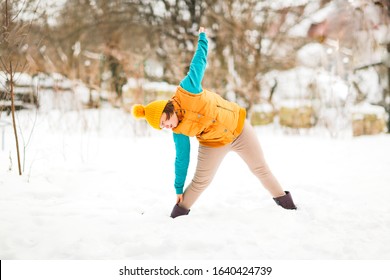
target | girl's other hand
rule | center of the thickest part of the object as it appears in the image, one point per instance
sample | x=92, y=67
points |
x=179, y=198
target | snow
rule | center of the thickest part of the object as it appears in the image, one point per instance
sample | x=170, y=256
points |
x=263, y=107
x=147, y=85
x=368, y=109
x=92, y=189
x=311, y=55
x=295, y=83
x=295, y=104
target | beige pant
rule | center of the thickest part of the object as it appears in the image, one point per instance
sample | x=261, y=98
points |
x=248, y=148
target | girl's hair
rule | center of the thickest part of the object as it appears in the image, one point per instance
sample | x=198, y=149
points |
x=169, y=109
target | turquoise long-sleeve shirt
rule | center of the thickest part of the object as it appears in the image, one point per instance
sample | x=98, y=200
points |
x=192, y=82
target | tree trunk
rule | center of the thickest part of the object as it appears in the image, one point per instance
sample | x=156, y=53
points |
x=388, y=76
x=13, y=115
x=388, y=91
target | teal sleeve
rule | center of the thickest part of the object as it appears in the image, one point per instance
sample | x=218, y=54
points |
x=182, y=145
x=193, y=81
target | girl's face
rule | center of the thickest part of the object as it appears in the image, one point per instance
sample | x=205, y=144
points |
x=169, y=124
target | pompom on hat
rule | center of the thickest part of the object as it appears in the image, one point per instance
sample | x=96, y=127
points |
x=151, y=112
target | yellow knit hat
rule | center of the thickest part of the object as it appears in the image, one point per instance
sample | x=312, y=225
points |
x=151, y=112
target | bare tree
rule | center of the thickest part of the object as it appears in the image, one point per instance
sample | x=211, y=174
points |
x=13, y=35
x=16, y=21
x=248, y=38
x=252, y=38
x=386, y=97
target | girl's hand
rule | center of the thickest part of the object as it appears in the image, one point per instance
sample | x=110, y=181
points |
x=201, y=29
x=179, y=198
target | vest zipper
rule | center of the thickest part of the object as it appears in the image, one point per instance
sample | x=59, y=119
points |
x=221, y=107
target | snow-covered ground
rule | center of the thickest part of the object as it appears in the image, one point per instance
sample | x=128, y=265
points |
x=91, y=189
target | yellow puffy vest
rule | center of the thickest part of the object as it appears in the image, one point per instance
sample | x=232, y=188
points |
x=213, y=120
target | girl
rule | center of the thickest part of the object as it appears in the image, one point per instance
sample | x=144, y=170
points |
x=220, y=127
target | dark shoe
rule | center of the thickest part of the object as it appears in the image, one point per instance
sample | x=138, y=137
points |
x=285, y=201
x=179, y=211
